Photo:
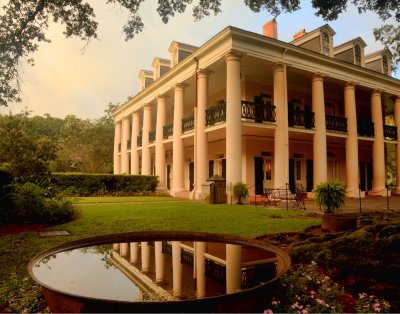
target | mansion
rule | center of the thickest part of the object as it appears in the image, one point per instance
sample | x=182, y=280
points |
x=251, y=108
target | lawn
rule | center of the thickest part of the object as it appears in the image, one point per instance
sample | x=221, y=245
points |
x=17, y=292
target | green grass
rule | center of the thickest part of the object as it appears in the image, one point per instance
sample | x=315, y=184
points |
x=114, y=217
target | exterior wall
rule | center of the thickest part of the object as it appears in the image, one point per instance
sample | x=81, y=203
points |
x=375, y=65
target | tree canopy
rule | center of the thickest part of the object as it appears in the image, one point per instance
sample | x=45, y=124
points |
x=24, y=24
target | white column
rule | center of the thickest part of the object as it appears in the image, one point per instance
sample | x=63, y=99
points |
x=160, y=149
x=159, y=261
x=352, y=170
x=233, y=121
x=319, y=149
x=145, y=250
x=378, y=147
x=177, y=145
x=201, y=148
x=117, y=143
x=146, y=157
x=134, y=151
x=397, y=122
x=200, y=260
x=134, y=250
x=124, y=249
x=116, y=246
x=233, y=268
x=281, y=143
x=176, y=269
x=124, y=146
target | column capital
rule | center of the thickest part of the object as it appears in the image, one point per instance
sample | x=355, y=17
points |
x=376, y=92
x=350, y=84
x=279, y=66
x=233, y=56
x=180, y=86
x=146, y=106
x=162, y=97
x=318, y=77
x=204, y=73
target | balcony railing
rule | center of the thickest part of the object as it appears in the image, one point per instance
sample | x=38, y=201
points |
x=305, y=118
x=258, y=112
x=129, y=144
x=365, y=127
x=152, y=136
x=119, y=147
x=139, y=140
x=216, y=114
x=168, y=130
x=390, y=132
x=336, y=123
x=188, y=123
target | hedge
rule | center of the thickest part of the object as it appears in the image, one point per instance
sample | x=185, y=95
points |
x=91, y=184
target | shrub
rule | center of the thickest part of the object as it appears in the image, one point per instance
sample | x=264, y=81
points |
x=5, y=196
x=33, y=204
x=330, y=195
x=94, y=184
x=240, y=191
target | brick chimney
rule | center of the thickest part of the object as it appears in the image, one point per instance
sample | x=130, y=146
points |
x=299, y=34
x=270, y=29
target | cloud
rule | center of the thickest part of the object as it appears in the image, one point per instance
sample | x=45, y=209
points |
x=66, y=81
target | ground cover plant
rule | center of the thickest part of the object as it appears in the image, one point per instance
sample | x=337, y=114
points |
x=366, y=261
x=19, y=294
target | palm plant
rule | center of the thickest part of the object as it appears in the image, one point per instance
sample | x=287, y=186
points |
x=240, y=191
x=330, y=195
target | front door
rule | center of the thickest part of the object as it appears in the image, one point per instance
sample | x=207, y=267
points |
x=191, y=176
x=268, y=174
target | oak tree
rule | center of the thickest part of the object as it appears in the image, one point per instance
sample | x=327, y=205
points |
x=24, y=23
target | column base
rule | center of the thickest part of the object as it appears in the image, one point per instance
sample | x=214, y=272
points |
x=354, y=193
x=381, y=192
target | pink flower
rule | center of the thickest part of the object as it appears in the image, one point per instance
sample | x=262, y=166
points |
x=274, y=302
x=268, y=311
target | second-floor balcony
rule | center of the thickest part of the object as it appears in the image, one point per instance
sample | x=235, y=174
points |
x=139, y=140
x=258, y=112
x=188, y=123
x=168, y=130
x=304, y=118
x=152, y=136
x=365, y=127
x=334, y=123
x=390, y=132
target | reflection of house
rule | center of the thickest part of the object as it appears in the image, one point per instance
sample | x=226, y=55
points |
x=187, y=270
x=255, y=109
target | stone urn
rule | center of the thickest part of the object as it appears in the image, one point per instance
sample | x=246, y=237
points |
x=334, y=222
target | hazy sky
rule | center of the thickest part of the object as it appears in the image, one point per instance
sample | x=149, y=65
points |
x=65, y=80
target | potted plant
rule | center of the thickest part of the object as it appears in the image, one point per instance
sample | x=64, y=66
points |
x=331, y=197
x=240, y=191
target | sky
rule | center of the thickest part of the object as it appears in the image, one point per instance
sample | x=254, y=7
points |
x=72, y=78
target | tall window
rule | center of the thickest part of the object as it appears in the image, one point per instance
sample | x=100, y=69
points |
x=385, y=65
x=357, y=54
x=325, y=43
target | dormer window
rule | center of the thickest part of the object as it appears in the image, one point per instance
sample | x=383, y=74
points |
x=357, y=54
x=385, y=65
x=325, y=43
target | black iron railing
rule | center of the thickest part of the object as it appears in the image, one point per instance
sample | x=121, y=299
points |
x=365, y=127
x=297, y=117
x=139, y=140
x=152, y=136
x=129, y=144
x=119, y=147
x=336, y=123
x=258, y=112
x=168, y=130
x=188, y=123
x=390, y=132
x=216, y=114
